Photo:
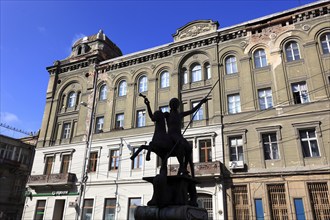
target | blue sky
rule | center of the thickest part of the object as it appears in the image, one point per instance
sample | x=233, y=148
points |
x=36, y=33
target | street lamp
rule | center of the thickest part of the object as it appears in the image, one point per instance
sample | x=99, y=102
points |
x=84, y=175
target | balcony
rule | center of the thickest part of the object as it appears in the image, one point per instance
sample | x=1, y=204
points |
x=58, y=179
x=206, y=169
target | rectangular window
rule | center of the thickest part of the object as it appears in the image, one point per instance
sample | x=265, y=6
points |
x=205, y=150
x=48, y=165
x=114, y=159
x=265, y=98
x=141, y=118
x=319, y=198
x=198, y=115
x=65, y=163
x=137, y=162
x=299, y=209
x=259, y=209
x=270, y=146
x=40, y=210
x=109, y=209
x=164, y=109
x=277, y=200
x=300, y=92
x=308, y=142
x=234, y=104
x=196, y=73
x=133, y=203
x=119, y=120
x=92, y=162
x=66, y=130
x=236, y=148
x=87, y=209
x=99, y=124
x=240, y=202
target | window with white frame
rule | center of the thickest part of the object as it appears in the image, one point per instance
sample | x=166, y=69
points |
x=260, y=59
x=143, y=84
x=65, y=163
x=103, y=92
x=236, y=148
x=265, y=98
x=234, y=104
x=122, y=88
x=309, y=143
x=292, y=51
x=300, y=92
x=133, y=203
x=119, y=120
x=205, y=201
x=231, y=65
x=114, y=159
x=99, y=124
x=40, y=210
x=48, y=165
x=66, y=131
x=71, y=99
x=137, y=162
x=270, y=146
x=198, y=115
x=205, y=150
x=109, y=209
x=196, y=73
x=325, y=43
x=208, y=74
x=164, y=108
x=141, y=118
x=92, y=163
x=164, y=79
x=87, y=209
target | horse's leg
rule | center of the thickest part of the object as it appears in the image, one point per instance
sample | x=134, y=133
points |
x=149, y=151
x=142, y=147
x=181, y=170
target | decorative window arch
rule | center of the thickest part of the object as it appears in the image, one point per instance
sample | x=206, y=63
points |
x=122, y=88
x=196, y=73
x=143, y=84
x=231, y=64
x=260, y=59
x=292, y=51
x=103, y=92
x=71, y=99
x=164, y=79
x=325, y=43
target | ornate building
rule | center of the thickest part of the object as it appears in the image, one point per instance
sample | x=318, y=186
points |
x=260, y=144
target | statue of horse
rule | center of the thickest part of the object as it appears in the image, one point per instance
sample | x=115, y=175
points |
x=162, y=146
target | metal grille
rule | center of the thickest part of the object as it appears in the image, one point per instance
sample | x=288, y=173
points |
x=277, y=201
x=205, y=201
x=240, y=202
x=319, y=195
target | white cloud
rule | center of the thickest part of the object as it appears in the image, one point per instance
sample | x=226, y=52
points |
x=7, y=117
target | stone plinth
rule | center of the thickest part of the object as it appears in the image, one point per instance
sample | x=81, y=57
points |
x=170, y=213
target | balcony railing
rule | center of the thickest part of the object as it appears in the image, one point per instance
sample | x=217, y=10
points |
x=52, y=179
x=205, y=169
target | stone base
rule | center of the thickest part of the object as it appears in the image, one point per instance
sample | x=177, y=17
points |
x=170, y=213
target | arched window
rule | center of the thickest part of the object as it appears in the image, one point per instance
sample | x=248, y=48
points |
x=103, y=92
x=260, y=59
x=184, y=76
x=143, y=84
x=79, y=50
x=196, y=73
x=207, y=68
x=71, y=99
x=325, y=43
x=205, y=201
x=231, y=65
x=292, y=51
x=122, y=88
x=164, y=79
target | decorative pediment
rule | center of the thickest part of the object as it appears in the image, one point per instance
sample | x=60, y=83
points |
x=195, y=28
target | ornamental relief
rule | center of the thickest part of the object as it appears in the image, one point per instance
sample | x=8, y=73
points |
x=195, y=28
x=194, y=31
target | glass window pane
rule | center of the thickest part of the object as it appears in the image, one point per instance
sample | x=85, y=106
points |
x=299, y=209
x=259, y=209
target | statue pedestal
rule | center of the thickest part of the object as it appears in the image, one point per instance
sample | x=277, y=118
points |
x=172, y=191
x=170, y=213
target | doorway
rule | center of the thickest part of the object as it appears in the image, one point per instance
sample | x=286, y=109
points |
x=58, y=209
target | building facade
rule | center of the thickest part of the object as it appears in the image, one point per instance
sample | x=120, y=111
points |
x=260, y=143
x=16, y=159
